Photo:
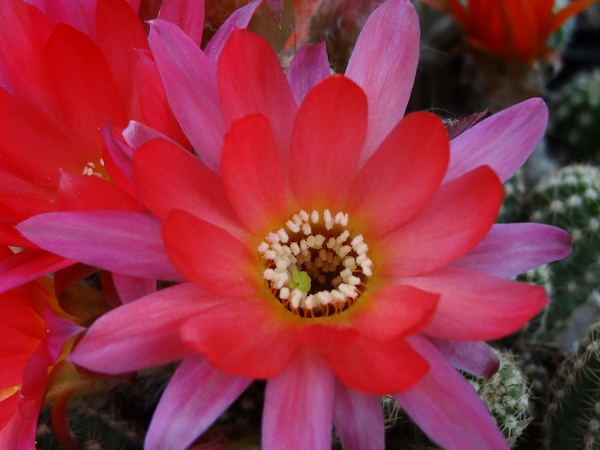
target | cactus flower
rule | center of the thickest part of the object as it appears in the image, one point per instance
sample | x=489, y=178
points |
x=515, y=30
x=330, y=245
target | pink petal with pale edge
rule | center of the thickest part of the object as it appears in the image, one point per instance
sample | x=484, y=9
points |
x=250, y=154
x=211, y=257
x=394, y=311
x=475, y=306
x=244, y=338
x=358, y=419
x=187, y=15
x=383, y=64
x=473, y=357
x=137, y=134
x=190, y=80
x=239, y=19
x=131, y=288
x=454, y=220
x=445, y=406
x=513, y=248
x=28, y=265
x=251, y=81
x=309, y=66
x=194, y=398
x=298, y=410
x=503, y=141
x=327, y=138
x=146, y=342
x=125, y=242
x=196, y=189
x=402, y=174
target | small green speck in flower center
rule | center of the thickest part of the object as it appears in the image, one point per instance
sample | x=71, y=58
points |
x=315, y=266
x=301, y=281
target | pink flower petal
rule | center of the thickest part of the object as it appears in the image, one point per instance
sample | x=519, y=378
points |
x=298, y=409
x=211, y=257
x=394, y=311
x=187, y=15
x=402, y=174
x=131, y=288
x=512, y=248
x=309, y=66
x=328, y=136
x=194, y=398
x=28, y=265
x=195, y=189
x=478, y=307
x=120, y=341
x=378, y=368
x=383, y=64
x=117, y=157
x=190, y=81
x=447, y=408
x=251, y=81
x=124, y=242
x=250, y=154
x=451, y=224
x=243, y=338
x=358, y=419
x=473, y=357
x=58, y=331
x=239, y=19
x=502, y=141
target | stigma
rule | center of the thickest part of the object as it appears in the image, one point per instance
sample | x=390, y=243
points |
x=314, y=265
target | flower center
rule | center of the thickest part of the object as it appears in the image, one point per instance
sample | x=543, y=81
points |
x=315, y=266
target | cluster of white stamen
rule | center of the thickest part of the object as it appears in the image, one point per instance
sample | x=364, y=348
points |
x=320, y=246
x=90, y=169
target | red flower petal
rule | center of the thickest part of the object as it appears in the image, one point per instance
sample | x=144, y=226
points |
x=477, y=307
x=209, y=256
x=121, y=38
x=242, y=338
x=196, y=189
x=402, y=174
x=451, y=224
x=252, y=173
x=328, y=137
x=394, y=311
x=84, y=86
x=251, y=81
x=377, y=368
x=76, y=192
